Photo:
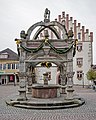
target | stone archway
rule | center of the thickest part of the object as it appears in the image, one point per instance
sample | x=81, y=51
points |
x=31, y=52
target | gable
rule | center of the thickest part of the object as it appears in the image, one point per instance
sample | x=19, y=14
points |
x=8, y=54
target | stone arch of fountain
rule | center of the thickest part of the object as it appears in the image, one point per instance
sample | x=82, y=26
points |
x=34, y=51
x=45, y=51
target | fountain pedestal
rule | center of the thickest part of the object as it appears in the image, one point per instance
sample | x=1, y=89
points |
x=70, y=91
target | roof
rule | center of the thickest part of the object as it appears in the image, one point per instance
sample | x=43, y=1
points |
x=10, y=55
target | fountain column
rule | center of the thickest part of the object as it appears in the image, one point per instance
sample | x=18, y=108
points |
x=22, y=75
x=70, y=89
x=63, y=79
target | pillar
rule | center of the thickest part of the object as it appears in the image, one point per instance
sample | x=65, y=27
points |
x=63, y=18
x=67, y=22
x=7, y=79
x=22, y=88
x=29, y=84
x=70, y=89
x=59, y=19
x=22, y=75
x=63, y=79
x=75, y=29
x=71, y=23
x=83, y=33
x=14, y=79
x=29, y=78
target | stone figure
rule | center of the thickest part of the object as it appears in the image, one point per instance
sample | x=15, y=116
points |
x=47, y=14
x=23, y=35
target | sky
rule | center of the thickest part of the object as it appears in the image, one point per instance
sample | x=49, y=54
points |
x=17, y=15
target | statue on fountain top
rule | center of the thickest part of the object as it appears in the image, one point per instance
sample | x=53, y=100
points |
x=47, y=15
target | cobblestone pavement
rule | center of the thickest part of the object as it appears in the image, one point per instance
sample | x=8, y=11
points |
x=84, y=112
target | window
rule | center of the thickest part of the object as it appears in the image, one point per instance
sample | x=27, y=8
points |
x=9, y=66
x=0, y=66
x=79, y=35
x=17, y=66
x=79, y=75
x=13, y=66
x=4, y=66
x=4, y=55
x=79, y=62
x=79, y=47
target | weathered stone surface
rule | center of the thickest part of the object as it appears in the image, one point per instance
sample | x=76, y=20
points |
x=44, y=91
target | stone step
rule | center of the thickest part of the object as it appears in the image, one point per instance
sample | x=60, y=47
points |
x=59, y=103
x=45, y=107
x=46, y=104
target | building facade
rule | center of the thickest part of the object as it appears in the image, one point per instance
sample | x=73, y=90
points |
x=9, y=65
x=84, y=49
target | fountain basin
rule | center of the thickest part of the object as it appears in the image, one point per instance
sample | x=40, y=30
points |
x=45, y=91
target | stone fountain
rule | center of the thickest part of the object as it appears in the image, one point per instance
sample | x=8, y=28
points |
x=33, y=51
